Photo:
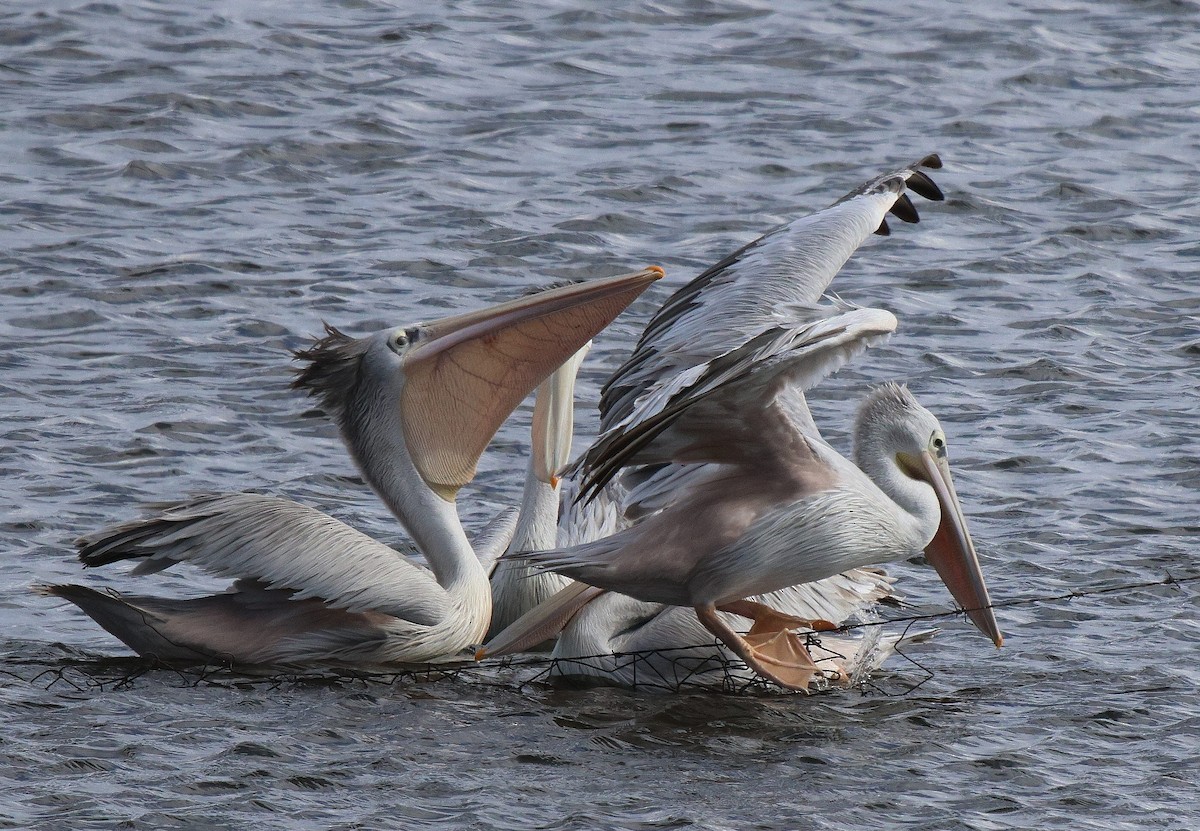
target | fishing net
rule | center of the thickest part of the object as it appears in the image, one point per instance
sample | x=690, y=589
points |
x=706, y=667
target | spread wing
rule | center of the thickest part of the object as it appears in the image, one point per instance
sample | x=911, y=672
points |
x=712, y=458
x=737, y=409
x=752, y=290
x=283, y=545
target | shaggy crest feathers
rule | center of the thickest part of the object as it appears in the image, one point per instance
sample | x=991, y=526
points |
x=333, y=370
x=883, y=401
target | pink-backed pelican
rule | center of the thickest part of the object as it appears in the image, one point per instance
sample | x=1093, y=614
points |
x=516, y=586
x=687, y=459
x=416, y=406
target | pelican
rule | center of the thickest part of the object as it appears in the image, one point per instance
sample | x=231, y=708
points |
x=617, y=638
x=416, y=406
x=776, y=505
x=759, y=294
x=518, y=588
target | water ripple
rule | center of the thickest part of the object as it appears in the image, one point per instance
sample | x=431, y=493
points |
x=189, y=190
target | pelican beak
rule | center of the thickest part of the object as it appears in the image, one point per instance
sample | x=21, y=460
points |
x=553, y=419
x=466, y=374
x=952, y=553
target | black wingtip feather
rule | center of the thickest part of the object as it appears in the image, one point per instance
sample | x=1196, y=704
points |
x=904, y=209
x=921, y=184
x=883, y=230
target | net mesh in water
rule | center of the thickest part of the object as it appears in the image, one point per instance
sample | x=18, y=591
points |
x=703, y=666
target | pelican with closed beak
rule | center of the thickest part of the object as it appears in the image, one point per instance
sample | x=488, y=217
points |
x=710, y=470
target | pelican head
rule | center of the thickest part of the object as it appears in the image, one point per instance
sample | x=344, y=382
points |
x=903, y=447
x=438, y=391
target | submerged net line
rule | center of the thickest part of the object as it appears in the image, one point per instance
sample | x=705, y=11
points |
x=1168, y=580
x=674, y=669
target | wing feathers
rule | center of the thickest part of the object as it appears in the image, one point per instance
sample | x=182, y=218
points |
x=922, y=185
x=719, y=398
x=904, y=209
x=281, y=543
x=739, y=296
x=252, y=626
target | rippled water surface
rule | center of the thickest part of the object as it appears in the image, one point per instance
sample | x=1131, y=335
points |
x=189, y=189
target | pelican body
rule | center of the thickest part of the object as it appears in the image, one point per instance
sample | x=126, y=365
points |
x=776, y=506
x=711, y=482
x=416, y=406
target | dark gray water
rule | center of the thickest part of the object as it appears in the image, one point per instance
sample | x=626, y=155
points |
x=190, y=188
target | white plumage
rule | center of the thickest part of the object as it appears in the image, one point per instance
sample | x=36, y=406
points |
x=416, y=406
x=713, y=478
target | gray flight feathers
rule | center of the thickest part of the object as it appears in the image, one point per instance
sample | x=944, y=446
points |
x=714, y=402
x=281, y=543
x=739, y=296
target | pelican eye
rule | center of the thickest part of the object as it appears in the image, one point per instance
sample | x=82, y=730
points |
x=938, y=444
x=402, y=339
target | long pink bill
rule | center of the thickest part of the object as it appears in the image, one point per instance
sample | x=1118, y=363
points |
x=468, y=372
x=952, y=553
